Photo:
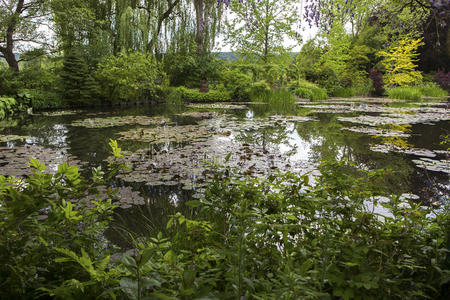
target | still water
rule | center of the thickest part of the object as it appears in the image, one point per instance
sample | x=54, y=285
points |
x=170, y=146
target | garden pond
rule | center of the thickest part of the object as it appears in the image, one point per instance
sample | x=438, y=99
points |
x=170, y=148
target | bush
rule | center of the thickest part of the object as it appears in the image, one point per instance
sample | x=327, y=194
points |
x=132, y=76
x=10, y=105
x=308, y=90
x=312, y=94
x=191, y=95
x=319, y=94
x=274, y=238
x=10, y=82
x=433, y=90
x=40, y=235
x=43, y=99
x=405, y=93
x=377, y=82
x=7, y=106
x=304, y=93
x=443, y=79
x=259, y=88
x=343, y=92
x=238, y=84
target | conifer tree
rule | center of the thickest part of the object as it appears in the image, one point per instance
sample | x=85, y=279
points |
x=79, y=88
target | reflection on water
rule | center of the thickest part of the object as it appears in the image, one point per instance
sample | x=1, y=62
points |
x=307, y=142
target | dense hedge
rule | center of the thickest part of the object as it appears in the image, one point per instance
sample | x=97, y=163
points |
x=192, y=95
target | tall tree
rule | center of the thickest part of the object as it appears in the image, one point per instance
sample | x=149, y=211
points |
x=19, y=22
x=260, y=27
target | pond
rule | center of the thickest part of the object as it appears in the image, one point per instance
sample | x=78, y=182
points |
x=171, y=147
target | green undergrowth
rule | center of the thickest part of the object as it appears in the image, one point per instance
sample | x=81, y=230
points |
x=433, y=90
x=194, y=95
x=308, y=90
x=405, y=93
x=277, y=238
x=417, y=92
x=11, y=105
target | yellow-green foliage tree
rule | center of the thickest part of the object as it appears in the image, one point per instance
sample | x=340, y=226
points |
x=400, y=63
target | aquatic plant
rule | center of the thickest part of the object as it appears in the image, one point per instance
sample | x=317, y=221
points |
x=405, y=93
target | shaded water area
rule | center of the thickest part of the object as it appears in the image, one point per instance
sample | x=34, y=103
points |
x=170, y=147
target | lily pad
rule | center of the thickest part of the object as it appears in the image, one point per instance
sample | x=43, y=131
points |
x=60, y=113
x=167, y=134
x=124, y=197
x=385, y=148
x=377, y=131
x=120, y=121
x=8, y=138
x=200, y=114
x=433, y=164
x=15, y=160
x=398, y=119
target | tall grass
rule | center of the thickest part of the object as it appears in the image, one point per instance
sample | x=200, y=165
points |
x=433, y=90
x=405, y=93
x=416, y=92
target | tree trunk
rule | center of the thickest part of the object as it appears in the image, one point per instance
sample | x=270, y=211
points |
x=11, y=60
x=161, y=19
x=200, y=34
x=266, y=34
x=200, y=38
x=8, y=51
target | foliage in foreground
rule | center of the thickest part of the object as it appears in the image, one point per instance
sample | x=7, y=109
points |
x=279, y=238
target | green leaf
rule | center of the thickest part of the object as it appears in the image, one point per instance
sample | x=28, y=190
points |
x=194, y=203
x=170, y=257
x=34, y=163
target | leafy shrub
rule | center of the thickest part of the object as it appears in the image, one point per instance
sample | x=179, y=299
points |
x=312, y=94
x=130, y=76
x=192, y=95
x=174, y=95
x=405, y=93
x=188, y=69
x=238, y=84
x=43, y=99
x=319, y=94
x=304, y=93
x=308, y=90
x=259, y=88
x=279, y=237
x=377, y=81
x=10, y=105
x=38, y=234
x=443, y=79
x=7, y=106
x=399, y=62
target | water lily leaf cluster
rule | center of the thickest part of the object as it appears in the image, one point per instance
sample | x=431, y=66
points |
x=120, y=121
x=12, y=137
x=14, y=161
